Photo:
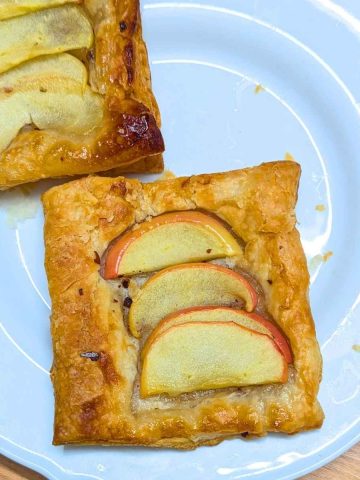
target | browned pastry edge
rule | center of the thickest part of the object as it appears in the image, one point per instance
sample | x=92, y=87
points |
x=119, y=70
x=154, y=164
x=95, y=400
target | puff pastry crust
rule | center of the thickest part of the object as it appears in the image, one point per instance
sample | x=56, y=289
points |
x=97, y=402
x=119, y=70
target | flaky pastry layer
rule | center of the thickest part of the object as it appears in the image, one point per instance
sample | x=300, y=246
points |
x=97, y=402
x=129, y=138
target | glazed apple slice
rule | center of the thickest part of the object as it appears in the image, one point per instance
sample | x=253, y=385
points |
x=208, y=355
x=44, y=32
x=169, y=239
x=50, y=92
x=252, y=321
x=187, y=285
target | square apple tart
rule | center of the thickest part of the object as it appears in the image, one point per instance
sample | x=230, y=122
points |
x=180, y=313
x=75, y=91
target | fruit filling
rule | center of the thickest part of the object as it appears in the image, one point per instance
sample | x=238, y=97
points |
x=42, y=86
x=202, y=325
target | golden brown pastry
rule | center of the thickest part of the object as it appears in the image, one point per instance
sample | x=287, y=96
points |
x=124, y=133
x=97, y=361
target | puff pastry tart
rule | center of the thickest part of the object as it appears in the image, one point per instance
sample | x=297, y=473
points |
x=75, y=90
x=180, y=312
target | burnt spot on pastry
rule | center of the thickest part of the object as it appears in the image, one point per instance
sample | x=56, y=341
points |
x=115, y=301
x=128, y=58
x=81, y=292
x=97, y=257
x=108, y=369
x=93, y=356
x=133, y=127
x=270, y=282
x=185, y=182
x=209, y=250
x=125, y=283
x=119, y=187
x=244, y=434
x=127, y=302
x=90, y=56
x=7, y=89
x=129, y=17
x=122, y=26
x=89, y=413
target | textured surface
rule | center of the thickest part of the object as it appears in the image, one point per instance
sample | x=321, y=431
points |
x=96, y=401
x=119, y=70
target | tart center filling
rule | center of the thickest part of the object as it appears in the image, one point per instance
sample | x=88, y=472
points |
x=40, y=84
x=202, y=325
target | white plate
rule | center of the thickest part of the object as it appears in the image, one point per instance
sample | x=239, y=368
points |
x=207, y=59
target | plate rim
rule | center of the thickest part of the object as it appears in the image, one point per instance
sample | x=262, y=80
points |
x=58, y=475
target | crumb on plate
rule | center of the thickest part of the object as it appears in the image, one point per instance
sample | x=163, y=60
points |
x=289, y=157
x=327, y=255
x=258, y=88
x=166, y=175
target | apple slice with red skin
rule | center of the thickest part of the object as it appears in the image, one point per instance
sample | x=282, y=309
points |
x=196, y=356
x=187, y=285
x=252, y=321
x=169, y=239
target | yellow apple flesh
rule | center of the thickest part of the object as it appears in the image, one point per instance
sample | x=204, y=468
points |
x=50, y=93
x=169, y=239
x=14, y=8
x=40, y=73
x=251, y=321
x=188, y=285
x=41, y=33
x=209, y=355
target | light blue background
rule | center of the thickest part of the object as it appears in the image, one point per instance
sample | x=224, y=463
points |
x=206, y=59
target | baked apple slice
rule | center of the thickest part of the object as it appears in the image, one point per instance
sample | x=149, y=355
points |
x=41, y=33
x=187, y=285
x=39, y=73
x=169, y=239
x=49, y=93
x=15, y=8
x=252, y=321
x=208, y=355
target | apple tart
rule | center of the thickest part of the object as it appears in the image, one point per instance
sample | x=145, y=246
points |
x=180, y=313
x=75, y=91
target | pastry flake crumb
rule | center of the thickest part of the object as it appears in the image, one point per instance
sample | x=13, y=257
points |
x=320, y=207
x=315, y=261
x=327, y=255
x=289, y=157
x=258, y=89
x=356, y=348
x=166, y=175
